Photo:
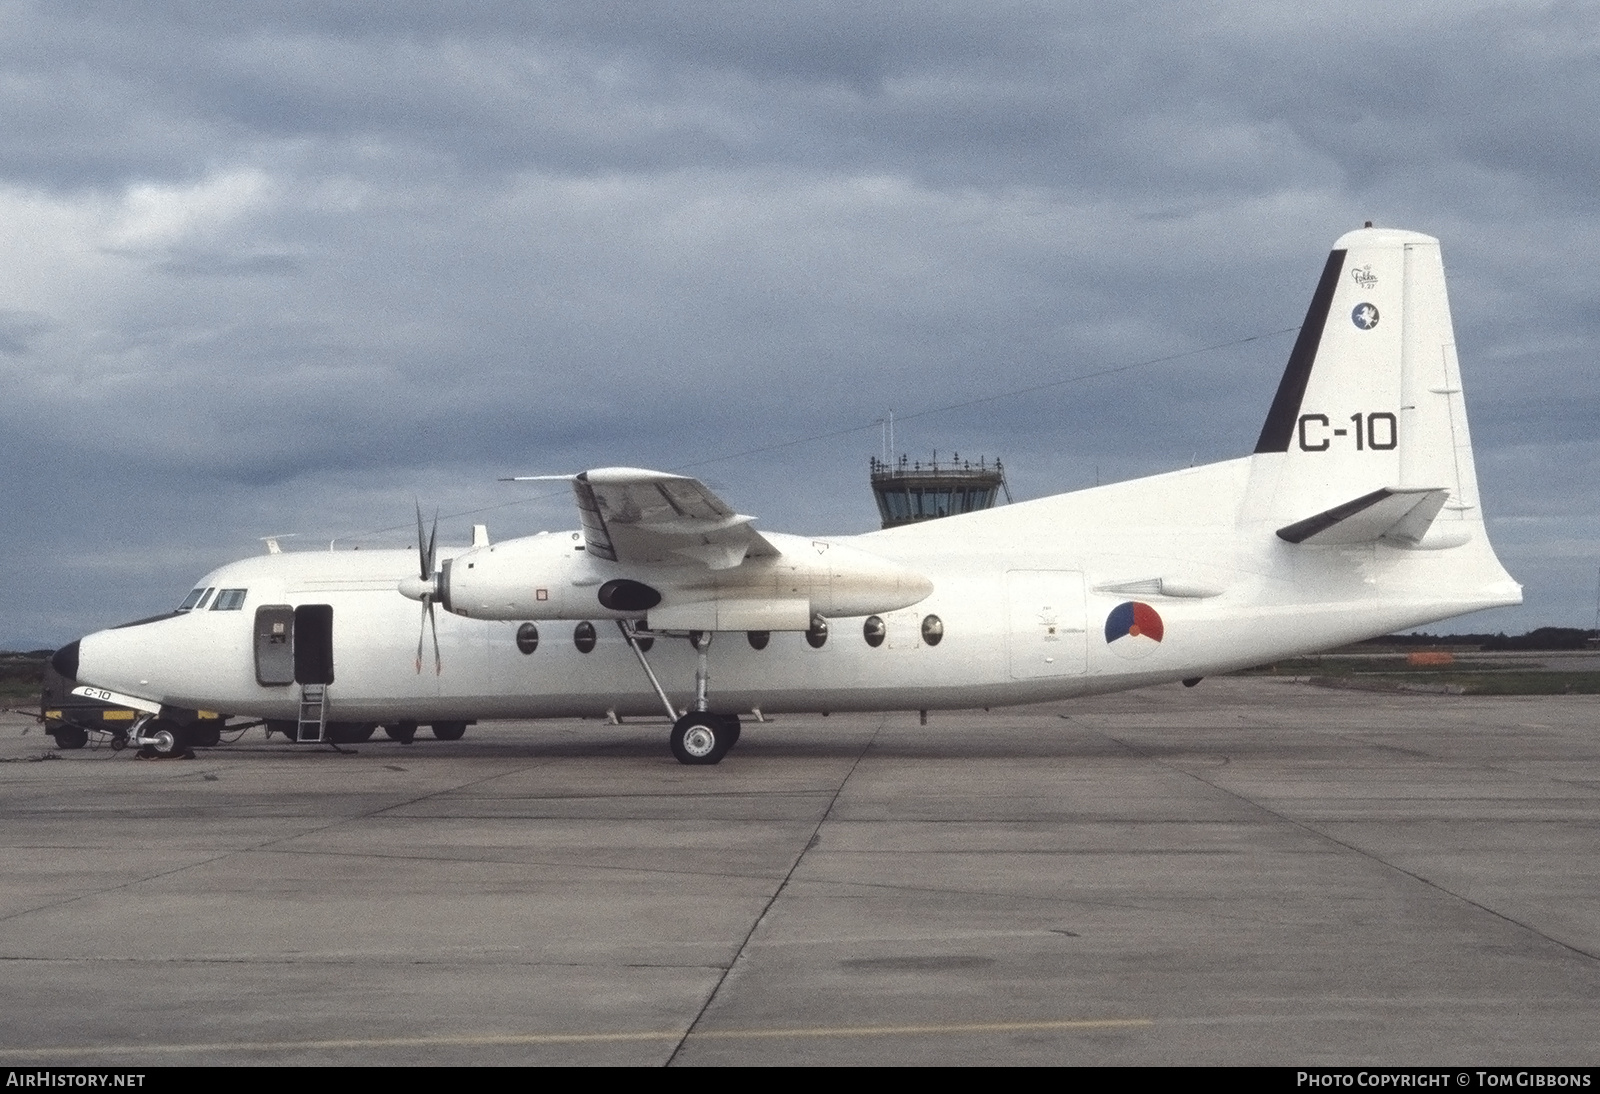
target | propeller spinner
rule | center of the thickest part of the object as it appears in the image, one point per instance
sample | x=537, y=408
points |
x=425, y=587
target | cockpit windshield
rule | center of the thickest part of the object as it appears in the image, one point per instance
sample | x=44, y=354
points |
x=196, y=600
x=229, y=600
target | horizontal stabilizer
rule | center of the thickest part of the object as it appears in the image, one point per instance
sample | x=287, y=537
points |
x=1402, y=515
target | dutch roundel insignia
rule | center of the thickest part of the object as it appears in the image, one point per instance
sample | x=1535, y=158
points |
x=1134, y=629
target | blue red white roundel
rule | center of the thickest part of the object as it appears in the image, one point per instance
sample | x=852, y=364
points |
x=1134, y=629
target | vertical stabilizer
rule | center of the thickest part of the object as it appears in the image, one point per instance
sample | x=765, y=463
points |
x=1371, y=398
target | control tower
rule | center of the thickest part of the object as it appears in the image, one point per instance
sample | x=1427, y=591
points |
x=908, y=491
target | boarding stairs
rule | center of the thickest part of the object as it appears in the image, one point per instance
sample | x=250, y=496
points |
x=313, y=713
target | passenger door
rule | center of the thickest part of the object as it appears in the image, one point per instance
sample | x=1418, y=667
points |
x=313, y=644
x=274, y=643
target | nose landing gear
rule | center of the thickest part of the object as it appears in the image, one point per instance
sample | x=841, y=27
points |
x=159, y=739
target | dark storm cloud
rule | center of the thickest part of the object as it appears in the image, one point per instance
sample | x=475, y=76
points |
x=1201, y=95
x=288, y=266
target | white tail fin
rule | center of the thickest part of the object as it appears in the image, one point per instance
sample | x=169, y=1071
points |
x=1371, y=401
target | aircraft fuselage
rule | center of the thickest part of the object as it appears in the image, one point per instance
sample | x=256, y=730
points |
x=1019, y=606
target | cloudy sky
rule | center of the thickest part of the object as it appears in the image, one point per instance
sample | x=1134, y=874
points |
x=276, y=268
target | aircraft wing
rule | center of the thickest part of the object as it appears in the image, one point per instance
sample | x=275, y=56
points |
x=633, y=515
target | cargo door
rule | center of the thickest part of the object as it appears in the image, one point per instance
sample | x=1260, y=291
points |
x=1047, y=632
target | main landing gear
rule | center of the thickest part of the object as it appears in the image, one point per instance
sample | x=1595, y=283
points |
x=698, y=736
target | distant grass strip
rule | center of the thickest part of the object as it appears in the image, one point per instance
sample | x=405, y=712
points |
x=21, y=676
x=1356, y=666
x=1490, y=683
x=1463, y=676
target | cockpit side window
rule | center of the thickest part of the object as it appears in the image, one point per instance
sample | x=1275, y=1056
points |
x=205, y=596
x=229, y=600
x=195, y=600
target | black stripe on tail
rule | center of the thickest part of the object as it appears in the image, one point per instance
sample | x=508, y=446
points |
x=1278, y=430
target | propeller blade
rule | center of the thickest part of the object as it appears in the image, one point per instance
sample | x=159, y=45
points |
x=438, y=663
x=432, y=536
x=423, y=562
x=426, y=553
x=427, y=611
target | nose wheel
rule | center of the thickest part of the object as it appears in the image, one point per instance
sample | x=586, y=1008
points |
x=702, y=738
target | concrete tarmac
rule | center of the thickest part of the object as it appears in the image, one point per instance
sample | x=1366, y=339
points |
x=1253, y=871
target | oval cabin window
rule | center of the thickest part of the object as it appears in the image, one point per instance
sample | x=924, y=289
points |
x=818, y=634
x=874, y=631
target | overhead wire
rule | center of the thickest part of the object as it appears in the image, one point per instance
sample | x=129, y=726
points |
x=864, y=427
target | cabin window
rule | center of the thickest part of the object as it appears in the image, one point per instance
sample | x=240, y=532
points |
x=932, y=630
x=527, y=638
x=583, y=636
x=874, y=631
x=818, y=634
x=229, y=600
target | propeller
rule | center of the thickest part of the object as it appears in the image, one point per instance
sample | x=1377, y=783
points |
x=426, y=589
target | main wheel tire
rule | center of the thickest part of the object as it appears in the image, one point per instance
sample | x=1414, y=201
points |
x=404, y=732
x=349, y=733
x=701, y=739
x=449, y=731
x=69, y=737
x=206, y=736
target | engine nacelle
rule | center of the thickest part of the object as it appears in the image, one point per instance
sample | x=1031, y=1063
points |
x=552, y=576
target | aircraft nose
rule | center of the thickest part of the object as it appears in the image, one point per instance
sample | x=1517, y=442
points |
x=65, y=661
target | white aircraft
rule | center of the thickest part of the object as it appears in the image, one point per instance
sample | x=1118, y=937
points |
x=1357, y=515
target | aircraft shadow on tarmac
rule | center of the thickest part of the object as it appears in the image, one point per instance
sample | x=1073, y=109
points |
x=1067, y=744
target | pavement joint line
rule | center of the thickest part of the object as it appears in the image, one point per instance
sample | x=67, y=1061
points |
x=811, y=842
x=363, y=961
x=1356, y=735
x=533, y=863
x=131, y=882
x=474, y=1040
x=1306, y=826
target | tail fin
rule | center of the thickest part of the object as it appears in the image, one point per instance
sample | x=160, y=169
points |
x=1371, y=401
